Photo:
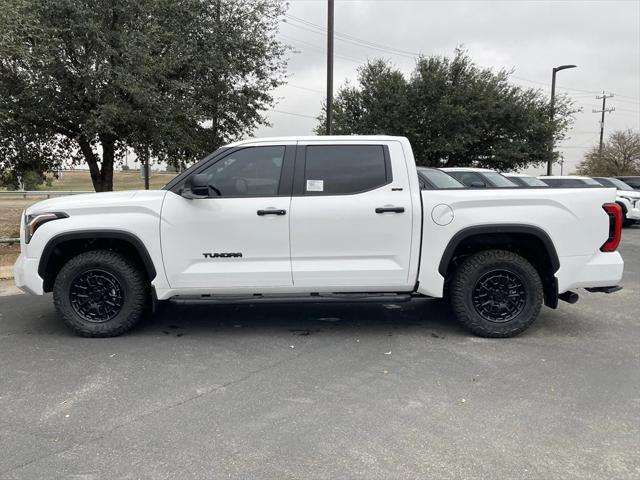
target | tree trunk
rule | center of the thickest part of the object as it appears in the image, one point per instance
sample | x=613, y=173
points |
x=144, y=160
x=92, y=160
x=101, y=175
x=108, y=154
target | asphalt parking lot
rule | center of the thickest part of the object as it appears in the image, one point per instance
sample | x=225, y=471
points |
x=325, y=391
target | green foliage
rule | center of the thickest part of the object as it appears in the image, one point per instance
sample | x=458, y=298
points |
x=453, y=112
x=27, y=154
x=170, y=79
x=620, y=156
x=26, y=180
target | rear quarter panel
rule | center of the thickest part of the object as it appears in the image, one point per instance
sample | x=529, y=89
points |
x=573, y=219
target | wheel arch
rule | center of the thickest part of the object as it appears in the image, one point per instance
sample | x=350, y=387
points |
x=60, y=248
x=529, y=241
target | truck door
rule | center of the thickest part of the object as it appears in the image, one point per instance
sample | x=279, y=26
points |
x=351, y=217
x=238, y=239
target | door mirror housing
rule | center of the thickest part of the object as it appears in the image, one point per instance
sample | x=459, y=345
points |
x=196, y=186
x=478, y=184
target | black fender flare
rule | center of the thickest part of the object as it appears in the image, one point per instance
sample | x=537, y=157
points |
x=97, y=234
x=537, y=232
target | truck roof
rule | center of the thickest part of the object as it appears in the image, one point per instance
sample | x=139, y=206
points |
x=466, y=169
x=307, y=138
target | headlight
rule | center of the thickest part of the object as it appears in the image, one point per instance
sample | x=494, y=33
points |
x=33, y=222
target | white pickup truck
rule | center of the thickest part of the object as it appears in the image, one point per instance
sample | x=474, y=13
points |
x=320, y=219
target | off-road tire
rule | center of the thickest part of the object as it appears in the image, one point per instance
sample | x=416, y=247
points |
x=131, y=279
x=478, y=266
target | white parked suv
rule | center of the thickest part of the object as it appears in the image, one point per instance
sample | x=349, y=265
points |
x=319, y=219
x=626, y=197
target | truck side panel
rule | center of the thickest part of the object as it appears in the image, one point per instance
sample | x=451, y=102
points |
x=573, y=219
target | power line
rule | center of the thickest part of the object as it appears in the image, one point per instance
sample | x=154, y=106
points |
x=318, y=30
x=352, y=38
x=302, y=88
x=363, y=43
x=294, y=114
x=320, y=49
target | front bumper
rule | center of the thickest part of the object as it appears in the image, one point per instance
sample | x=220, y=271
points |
x=25, y=274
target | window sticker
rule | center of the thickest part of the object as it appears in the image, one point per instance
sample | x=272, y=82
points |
x=315, y=185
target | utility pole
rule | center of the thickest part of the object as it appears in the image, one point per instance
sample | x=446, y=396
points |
x=561, y=164
x=603, y=111
x=330, y=67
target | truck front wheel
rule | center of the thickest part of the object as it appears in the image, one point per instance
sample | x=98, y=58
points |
x=496, y=293
x=100, y=293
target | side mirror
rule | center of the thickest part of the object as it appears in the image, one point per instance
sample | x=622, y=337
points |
x=477, y=184
x=196, y=186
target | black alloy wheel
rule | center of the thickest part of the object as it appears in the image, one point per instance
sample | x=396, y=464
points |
x=101, y=293
x=496, y=293
x=499, y=296
x=96, y=296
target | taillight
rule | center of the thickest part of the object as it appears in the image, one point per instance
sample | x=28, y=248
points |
x=615, y=227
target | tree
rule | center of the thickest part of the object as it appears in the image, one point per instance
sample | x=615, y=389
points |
x=453, y=112
x=25, y=156
x=170, y=79
x=620, y=156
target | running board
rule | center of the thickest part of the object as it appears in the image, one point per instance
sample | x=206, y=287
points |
x=305, y=298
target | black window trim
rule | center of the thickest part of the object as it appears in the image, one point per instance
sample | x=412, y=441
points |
x=285, y=184
x=301, y=161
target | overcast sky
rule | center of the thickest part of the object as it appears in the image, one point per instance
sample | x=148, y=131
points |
x=530, y=37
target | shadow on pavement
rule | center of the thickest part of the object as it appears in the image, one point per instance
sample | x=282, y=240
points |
x=303, y=319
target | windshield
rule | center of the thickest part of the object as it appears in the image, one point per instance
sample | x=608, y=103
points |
x=498, y=180
x=619, y=184
x=589, y=181
x=440, y=179
x=533, y=182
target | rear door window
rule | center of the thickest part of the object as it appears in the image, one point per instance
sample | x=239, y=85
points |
x=345, y=169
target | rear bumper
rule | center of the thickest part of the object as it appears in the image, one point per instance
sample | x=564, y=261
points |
x=25, y=274
x=600, y=270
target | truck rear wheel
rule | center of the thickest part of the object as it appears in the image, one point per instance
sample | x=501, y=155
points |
x=496, y=293
x=100, y=293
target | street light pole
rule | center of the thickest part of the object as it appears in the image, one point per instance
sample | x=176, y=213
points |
x=330, y=67
x=552, y=105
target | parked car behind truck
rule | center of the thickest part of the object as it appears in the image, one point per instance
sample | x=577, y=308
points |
x=319, y=219
x=525, y=180
x=626, y=197
x=479, y=177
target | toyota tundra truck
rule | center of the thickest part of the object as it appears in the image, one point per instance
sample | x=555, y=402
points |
x=336, y=218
